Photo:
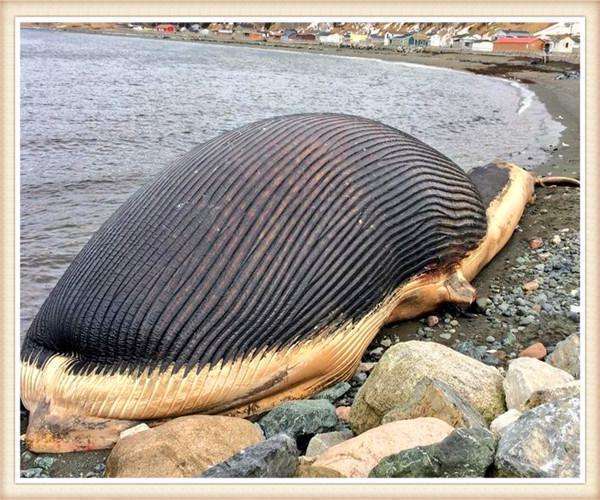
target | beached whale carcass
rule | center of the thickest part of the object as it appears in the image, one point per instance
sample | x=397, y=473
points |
x=255, y=269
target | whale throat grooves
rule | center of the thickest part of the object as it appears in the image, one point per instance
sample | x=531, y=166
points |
x=256, y=240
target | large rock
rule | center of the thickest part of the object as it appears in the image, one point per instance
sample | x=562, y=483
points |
x=501, y=422
x=433, y=398
x=300, y=418
x=275, y=457
x=321, y=442
x=543, y=396
x=544, y=442
x=464, y=453
x=528, y=375
x=357, y=456
x=393, y=381
x=182, y=447
x=566, y=355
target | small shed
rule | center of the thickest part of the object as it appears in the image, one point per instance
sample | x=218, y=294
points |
x=463, y=42
x=412, y=40
x=419, y=40
x=483, y=46
x=440, y=40
x=356, y=38
x=561, y=44
x=519, y=44
x=166, y=28
x=288, y=35
x=331, y=39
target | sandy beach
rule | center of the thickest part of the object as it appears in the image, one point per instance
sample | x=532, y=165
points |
x=553, y=217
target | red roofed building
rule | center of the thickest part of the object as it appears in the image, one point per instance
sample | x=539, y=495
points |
x=166, y=28
x=520, y=44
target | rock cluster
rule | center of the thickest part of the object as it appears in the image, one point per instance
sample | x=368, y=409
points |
x=424, y=410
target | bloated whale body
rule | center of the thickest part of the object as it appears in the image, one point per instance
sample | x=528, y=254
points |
x=257, y=268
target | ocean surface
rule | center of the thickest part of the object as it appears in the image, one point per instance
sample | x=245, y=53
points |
x=101, y=115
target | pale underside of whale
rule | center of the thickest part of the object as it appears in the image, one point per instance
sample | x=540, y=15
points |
x=82, y=398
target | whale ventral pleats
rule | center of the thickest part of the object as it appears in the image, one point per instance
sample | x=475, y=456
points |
x=258, y=239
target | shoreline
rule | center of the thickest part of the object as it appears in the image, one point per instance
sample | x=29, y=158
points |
x=538, y=78
x=555, y=212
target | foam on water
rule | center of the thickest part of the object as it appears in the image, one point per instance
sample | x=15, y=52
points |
x=527, y=96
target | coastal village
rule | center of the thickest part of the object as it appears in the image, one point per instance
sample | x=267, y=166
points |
x=535, y=39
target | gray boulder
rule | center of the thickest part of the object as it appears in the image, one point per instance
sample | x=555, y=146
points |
x=543, y=442
x=321, y=442
x=334, y=392
x=434, y=398
x=300, y=418
x=274, y=457
x=464, y=453
x=415, y=462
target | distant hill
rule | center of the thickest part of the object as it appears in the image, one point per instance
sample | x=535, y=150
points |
x=484, y=29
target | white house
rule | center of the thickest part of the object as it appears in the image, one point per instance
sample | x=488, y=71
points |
x=561, y=44
x=440, y=39
x=463, y=42
x=482, y=45
x=331, y=39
